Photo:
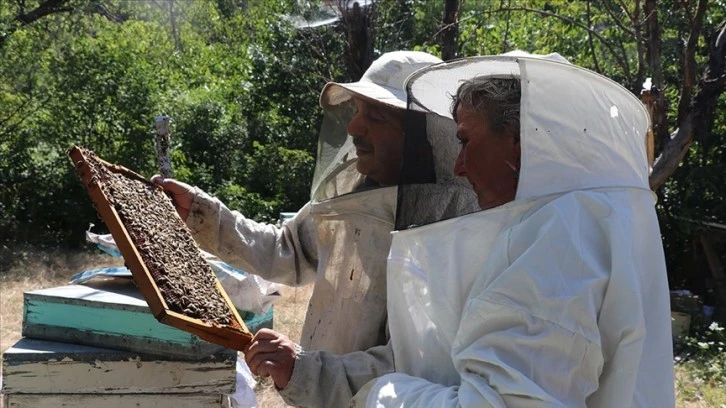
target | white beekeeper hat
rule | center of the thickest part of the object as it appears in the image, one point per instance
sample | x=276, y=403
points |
x=384, y=81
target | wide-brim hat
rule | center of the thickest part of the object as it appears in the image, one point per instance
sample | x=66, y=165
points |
x=384, y=81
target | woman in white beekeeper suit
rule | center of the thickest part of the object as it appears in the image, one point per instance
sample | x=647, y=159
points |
x=555, y=294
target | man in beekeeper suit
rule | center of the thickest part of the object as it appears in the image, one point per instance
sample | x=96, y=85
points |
x=555, y=293
x=339, y=241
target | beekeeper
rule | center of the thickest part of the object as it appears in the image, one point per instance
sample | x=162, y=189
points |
x=555, y=293
x=339, y=241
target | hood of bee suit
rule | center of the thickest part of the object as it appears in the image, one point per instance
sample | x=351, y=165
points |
x=578, y=129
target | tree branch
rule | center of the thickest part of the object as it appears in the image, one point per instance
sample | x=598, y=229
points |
x=698, y=122
x=50, y=7
x=7, y=128
x=5, y=122
x=100, y=9
x=589, y=40
x=660, y=118
x=689, y=59
x=712, y=84
x=621, y=60
x=505, y=40
x=617, y=21
x=639, y=45
x=46, y=8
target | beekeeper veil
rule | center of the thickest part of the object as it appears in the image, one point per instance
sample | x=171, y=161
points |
x=428, y=190
x=608, y=120
x=430, y=91
x=338, y=171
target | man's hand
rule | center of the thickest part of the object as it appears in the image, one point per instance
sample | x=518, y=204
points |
x=272, y=354
x=181, y=193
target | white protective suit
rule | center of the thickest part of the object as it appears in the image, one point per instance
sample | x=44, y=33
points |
x=557, y=299
x=340, y=245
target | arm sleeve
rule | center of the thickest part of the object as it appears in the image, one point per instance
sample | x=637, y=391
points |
x=322, y=379
x=286, y=255
x=506, y=357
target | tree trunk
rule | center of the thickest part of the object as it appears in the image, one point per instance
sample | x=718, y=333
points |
x=698, y=121
x=660, y=110
x=449, y=32
x=358, y=23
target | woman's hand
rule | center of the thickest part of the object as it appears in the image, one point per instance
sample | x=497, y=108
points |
x=272, y=354
x=182, y=194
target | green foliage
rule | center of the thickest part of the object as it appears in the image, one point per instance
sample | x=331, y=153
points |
x=213, y=139
x=241, y=83
x=705, y=355
x=231, y=75
x=281, y=173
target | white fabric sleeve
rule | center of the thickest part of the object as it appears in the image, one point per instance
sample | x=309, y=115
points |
x=506, y=357
x=286, y=255
x=322, y=379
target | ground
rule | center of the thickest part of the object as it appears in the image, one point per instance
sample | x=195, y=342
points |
x=42, y=269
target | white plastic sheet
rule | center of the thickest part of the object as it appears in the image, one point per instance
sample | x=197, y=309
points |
x=244, y=395
x=246, y=291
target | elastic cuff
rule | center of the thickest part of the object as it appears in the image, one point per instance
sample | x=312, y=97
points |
x=298, y=352
x=297, y=390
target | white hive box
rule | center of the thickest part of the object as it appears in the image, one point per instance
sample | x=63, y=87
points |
x=39, y=373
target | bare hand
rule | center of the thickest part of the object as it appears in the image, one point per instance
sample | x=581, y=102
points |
x=181, y=193
x=272, y=354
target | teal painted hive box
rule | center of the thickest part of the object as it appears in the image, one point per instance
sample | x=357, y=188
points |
x=113, y=314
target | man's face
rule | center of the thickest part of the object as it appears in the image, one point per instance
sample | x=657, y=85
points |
x=377, y=132
x=488, y=160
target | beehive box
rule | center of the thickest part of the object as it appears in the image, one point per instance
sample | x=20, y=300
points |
x=116, y=400
x=43, y=374
x=175, y=280
x=110, y=315
x=46, y=367
x=113, y=314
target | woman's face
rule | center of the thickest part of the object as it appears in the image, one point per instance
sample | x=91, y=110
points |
x=377, y=132
x=489, y=161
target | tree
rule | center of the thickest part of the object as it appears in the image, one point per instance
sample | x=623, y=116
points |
x=450, y=30
x=20, y=14
x=242, y=81
x=358, y=22
x=629, y=36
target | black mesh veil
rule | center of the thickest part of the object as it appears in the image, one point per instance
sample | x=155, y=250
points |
x=335, y=169
x=428, y=190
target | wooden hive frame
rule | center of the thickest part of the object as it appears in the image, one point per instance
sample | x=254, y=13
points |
x=234, y=336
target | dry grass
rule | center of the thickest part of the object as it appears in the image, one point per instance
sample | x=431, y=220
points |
x=289, y=317
x=25, y=270
x=32, y=269
x=694, y=392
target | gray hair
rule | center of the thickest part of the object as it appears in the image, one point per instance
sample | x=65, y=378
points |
x=497, y=100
